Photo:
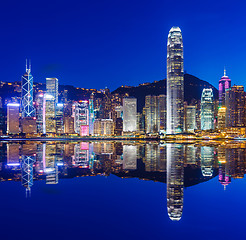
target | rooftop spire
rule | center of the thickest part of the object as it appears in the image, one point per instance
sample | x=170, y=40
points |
x=28, y=66
x=224, y=71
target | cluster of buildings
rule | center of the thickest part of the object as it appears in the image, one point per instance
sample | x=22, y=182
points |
x=116, y=114
x=45, y=115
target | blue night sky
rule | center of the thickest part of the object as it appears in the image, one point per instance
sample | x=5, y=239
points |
x=100, y=43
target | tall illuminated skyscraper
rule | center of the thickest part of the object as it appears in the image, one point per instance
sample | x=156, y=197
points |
x=224, y=85
x=175, y=82
x=27, y=107
x=207, y=109
x=129, y=114
x=52, y=87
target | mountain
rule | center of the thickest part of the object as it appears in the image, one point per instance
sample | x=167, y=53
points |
x=193, y=87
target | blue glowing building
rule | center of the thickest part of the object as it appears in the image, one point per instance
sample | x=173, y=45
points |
x=27, y=107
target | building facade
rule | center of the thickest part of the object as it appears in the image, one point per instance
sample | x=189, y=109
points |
x=13, y=116
x=235, y=106
x=49, y=125
x=190, y=118
x=129, y=114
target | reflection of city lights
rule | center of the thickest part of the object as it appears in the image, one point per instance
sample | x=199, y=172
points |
x=13, y=164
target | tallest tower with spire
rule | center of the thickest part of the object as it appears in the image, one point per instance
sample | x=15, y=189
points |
x=27, y=107
x=175, y=82
x=224, y=85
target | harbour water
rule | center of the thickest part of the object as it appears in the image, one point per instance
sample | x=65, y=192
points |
x=122, y=189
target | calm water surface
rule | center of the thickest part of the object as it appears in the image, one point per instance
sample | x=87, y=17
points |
x=122, y=190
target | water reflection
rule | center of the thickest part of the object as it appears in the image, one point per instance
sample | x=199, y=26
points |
x=178, y=165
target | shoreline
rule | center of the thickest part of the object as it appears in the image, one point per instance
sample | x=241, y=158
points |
x=117, y=139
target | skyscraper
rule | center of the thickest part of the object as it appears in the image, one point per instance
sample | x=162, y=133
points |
x=80, y=112
x=49, y=113
x=221, y=118
x=224, y=85
x=235, y=106
x=151, y=114
x=207, y=109
x=13, y=110
x=175, y=82
x=52, y=87
x=91, y=116
x=27, y=107
x=190, y=118
x=40, y=114
x=59, y=118
x=162, y=109
x=129, y=114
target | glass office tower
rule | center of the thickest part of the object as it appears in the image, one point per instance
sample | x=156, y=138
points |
x=207, y=109
x=175, y=82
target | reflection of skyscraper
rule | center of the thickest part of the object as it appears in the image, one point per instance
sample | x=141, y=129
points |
x=175, y=82
x=224, y=177
x=81, y=155
x=154, y=157
x=28, y=158
x=190, y=154
x=175, y=181
x=129, y=157
x=27, y=94
x=50, y=167
x=207, y=109
x=13, y=151
x=27, y=172
x=207, y=159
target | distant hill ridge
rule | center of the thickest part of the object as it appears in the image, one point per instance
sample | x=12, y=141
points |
x=193, y=87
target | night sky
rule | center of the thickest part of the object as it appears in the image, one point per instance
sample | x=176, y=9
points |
x=94, y=44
